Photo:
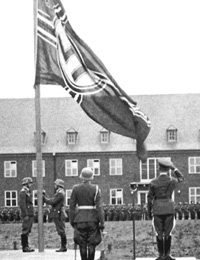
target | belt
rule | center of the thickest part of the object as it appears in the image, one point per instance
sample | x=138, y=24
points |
x=86, y=207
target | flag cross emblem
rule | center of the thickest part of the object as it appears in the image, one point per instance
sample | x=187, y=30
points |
x=64, y=59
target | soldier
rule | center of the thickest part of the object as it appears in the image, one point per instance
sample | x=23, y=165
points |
x=89, y=219
x=197, y=209
x=17, y=215
x=27, y=212
x=57, y=203
x=110, y=214
x=159, y=199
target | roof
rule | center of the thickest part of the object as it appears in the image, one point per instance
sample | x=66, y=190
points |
x=58, y=115
x=180, y=110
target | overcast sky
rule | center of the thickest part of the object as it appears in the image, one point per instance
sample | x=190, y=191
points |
x=150, y=47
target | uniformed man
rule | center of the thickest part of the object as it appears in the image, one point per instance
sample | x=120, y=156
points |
x=86, y=215
x=57, y=203
x=161, y=205
x=27, y=212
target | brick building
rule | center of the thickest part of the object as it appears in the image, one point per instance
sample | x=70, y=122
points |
x=71, y=141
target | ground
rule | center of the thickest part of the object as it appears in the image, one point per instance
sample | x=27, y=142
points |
x=118, y=240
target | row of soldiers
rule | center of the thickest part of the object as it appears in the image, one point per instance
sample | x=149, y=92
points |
x=112, y=213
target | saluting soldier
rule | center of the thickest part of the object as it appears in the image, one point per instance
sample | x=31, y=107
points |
x=160, y=201
x=88, y=220
x=57, y=202
x=27, y=212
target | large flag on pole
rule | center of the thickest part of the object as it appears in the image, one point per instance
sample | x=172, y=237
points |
x=65, y=59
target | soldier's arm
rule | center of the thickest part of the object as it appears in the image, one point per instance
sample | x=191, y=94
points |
x=22, y=203
x=150, y=198
x=53, y=201
x=178, y=175
x=72, y=207
x=99, y=208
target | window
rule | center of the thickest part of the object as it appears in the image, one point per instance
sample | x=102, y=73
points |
x=142, y=197
x=35, y=199
x=116, y=166
x=149, y=169
x=194, y=164
x=72, y=136
x=43, y=138
x=10, y=169
x=94, y=164
x=104, y=136
x=71, y=167
x=47, y=3
x=194, y=195
x=10, y=198
x=116, y=196
x=172, y=134
x=68, y=196
x=34, y=168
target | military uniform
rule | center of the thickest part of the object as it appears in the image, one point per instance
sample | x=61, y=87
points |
x=27, y=213
x=86, y=215
x=57, y=203
x=161, y=205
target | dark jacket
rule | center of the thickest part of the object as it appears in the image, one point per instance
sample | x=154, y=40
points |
x=86, y=194
x=25, y=202
x=160, y=195
x=57, y=202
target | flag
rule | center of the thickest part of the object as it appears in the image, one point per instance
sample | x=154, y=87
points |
x=65, y=59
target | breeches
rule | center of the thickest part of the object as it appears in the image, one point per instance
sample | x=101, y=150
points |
x=60, y=225
x=87, y=233
x=163, y=224
x=27, y=225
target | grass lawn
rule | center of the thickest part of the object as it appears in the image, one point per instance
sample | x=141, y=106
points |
x=119, y=238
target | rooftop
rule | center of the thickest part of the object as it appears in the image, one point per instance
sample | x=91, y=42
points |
x=58, y=115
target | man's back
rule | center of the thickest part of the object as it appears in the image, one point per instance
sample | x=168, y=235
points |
x=85, y=194
x=86, y=199
x=160, y=193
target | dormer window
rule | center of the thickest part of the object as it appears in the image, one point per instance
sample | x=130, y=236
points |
x=172, y=134
x=72, y=136
x=43, y=137
x=104, y=136
x=47, y=3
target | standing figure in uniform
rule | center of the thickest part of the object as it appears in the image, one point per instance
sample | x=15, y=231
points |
x=161, y=205
x=57, y=203
x=27, y=212
x=86, y=215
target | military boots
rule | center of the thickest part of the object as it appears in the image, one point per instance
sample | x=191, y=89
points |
x=25, y=245
x=167, y=255
x=160, y=248
x=63, y=247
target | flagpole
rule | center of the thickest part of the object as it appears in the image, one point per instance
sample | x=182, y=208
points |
x=38, y=143
x=39, y=170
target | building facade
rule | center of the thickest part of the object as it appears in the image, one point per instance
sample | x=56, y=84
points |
x=71, y=141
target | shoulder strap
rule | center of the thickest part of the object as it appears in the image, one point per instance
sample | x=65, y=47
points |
x=97, y=189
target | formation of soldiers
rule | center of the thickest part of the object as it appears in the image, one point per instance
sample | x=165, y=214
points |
x=112, y=213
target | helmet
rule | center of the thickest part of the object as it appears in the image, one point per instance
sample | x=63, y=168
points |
x=59, y=182
x=86, y=174
x=27, y=180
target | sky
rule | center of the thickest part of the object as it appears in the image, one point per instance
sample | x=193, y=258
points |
x=148, y=46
